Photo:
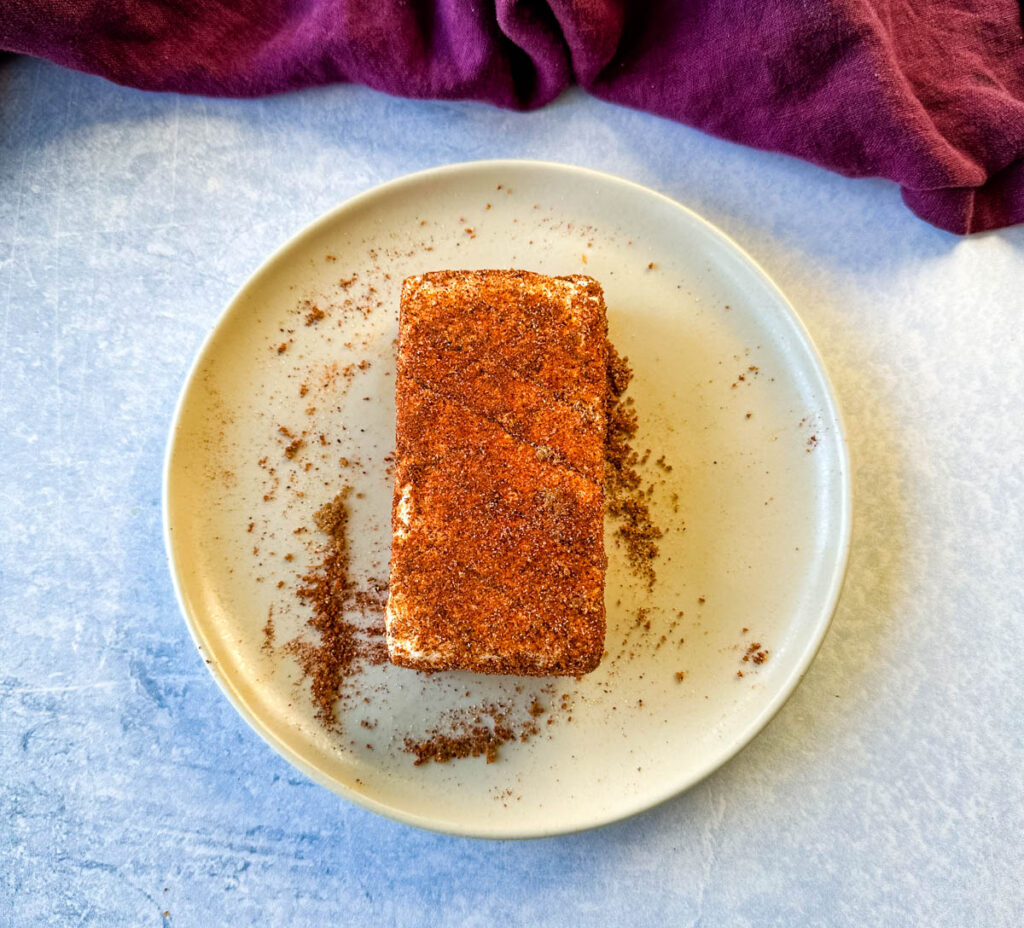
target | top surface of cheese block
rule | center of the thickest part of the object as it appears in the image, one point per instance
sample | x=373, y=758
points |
x=498, y=556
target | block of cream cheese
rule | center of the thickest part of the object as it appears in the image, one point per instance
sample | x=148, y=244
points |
x=498, y=562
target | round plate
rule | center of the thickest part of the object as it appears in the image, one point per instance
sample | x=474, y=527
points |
x=752, y=490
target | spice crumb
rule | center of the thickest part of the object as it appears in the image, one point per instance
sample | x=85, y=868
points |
x=755, y=653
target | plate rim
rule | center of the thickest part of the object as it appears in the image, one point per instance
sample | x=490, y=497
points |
x=649, y=801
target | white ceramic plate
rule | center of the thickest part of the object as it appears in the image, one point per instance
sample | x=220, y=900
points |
x=729, y=389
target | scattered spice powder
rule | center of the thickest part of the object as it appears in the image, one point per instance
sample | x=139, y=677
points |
x=478, y=733
x=268, y=631
x=342, y=646
x=625, y=499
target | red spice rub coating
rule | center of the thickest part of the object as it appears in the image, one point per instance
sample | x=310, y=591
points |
x=498, y=554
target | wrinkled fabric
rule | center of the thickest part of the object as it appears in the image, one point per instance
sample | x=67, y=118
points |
x=927, y=93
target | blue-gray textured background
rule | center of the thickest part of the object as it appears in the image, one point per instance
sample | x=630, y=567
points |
x=888, y=791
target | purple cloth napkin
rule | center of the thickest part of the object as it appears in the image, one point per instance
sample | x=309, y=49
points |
x=928, y=93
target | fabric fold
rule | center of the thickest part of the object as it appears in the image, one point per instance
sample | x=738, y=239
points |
x=929, y=94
